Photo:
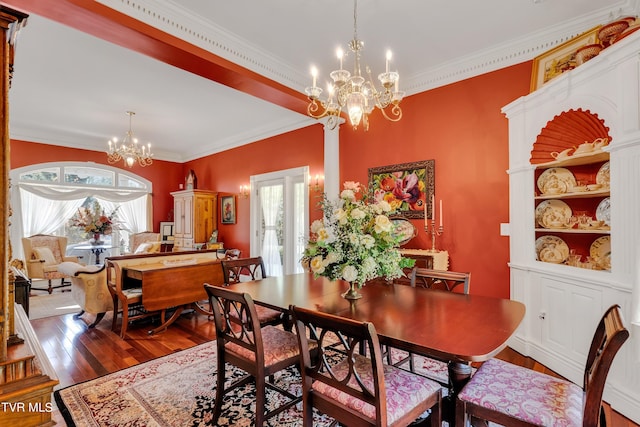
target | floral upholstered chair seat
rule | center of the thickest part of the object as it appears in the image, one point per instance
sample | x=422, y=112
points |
x=404, y=390
x=543, y=399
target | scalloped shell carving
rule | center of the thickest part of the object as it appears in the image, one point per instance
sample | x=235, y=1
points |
x=568, y=129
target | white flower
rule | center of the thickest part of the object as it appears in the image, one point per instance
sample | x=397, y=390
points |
x=350, y=273
x=331, y=258
x=347, y=195
x=367, y=241
x=341, y=216
x=317, y=265
x=383, y=224
x=316, y=226
x=351, y=185
x=357, y=213
x=384, y=205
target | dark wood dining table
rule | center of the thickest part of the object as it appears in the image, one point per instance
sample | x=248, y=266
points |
x=450, y=326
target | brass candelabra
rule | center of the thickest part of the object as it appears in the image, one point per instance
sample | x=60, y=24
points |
x=435, y=231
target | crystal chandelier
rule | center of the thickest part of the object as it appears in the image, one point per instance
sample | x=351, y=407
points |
x=356, y=94
x=128, y=150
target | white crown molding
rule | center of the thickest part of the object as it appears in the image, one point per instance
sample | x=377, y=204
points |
x=168, y=16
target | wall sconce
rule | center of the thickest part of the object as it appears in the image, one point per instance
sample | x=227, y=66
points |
x=244, y=191
x=316, y=184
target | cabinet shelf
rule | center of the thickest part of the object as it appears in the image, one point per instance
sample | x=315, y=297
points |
x=578, y=195
x=576, y=160
x=572, y=231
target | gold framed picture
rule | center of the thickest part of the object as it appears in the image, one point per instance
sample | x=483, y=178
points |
x=560, y=59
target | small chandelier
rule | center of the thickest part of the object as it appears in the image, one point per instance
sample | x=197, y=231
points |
x=356, y=94
x=128, y=150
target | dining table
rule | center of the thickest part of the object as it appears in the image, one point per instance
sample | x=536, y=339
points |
x=450, y=326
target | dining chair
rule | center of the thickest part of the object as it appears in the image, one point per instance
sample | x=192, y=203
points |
x=437, y=280
x=261, y=352
x=126, y=300
x=353, y=389
x=237, y=270
x=517, y=396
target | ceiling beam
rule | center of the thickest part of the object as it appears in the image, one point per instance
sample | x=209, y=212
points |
x=108, y=24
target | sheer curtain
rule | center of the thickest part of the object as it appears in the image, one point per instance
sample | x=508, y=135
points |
x=271, y=197
x=42, y=209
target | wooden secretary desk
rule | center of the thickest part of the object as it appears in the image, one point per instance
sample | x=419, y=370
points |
x=195, y=217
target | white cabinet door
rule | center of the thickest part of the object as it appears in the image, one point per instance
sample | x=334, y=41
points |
x=569, y=316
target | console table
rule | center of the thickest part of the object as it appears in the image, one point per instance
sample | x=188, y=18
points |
x=428, y=258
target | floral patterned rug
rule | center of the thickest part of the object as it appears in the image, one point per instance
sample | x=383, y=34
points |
x=179, y=390
x=174, y=390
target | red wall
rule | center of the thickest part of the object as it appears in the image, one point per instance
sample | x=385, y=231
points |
x=226, y=171
x=460, y=126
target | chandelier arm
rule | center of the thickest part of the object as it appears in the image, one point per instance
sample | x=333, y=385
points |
x=396, y=113
x=314, y=107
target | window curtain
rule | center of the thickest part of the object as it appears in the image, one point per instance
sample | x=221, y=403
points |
x=271, y=197
x=43, y=210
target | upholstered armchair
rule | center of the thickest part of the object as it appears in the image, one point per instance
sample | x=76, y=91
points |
x=144, y=242
x=43, y=254
x=89, y=289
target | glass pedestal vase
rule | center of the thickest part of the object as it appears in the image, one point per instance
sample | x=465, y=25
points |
x=352, y=293
x=96, y=239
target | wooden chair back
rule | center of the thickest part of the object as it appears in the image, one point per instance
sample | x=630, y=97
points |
x=251, y=268
x=438, y=279
x=339, y=338
x=609, y=336
x=240, y=342
x=236, y=322
x=341, y=382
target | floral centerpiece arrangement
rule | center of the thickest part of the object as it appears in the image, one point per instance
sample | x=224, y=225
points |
x=355, y=241
x=95, y=221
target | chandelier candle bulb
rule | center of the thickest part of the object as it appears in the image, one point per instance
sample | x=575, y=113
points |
x=314, y=74
x=388, y=59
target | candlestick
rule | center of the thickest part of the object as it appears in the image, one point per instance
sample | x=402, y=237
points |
x=440, y=213
x=433, y=208
x=426, y=218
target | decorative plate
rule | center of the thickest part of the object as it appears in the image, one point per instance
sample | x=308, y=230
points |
x=600, y=252
x=404, y=229
x=553, y=214
x=602, y=177
x=552, y=249
x=603, y=211
x=556, y=181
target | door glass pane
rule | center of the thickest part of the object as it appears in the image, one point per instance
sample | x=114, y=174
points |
x=272, y=227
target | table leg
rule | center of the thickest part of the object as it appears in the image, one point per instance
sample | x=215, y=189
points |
x=459, y=375
x=165, y=324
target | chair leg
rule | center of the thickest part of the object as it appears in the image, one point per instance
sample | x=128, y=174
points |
x=75, y=316
x=125, y=320
x=217, y=407
x=50, y=289
x=260, y=400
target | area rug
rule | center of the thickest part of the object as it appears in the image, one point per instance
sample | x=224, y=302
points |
x=174, y=390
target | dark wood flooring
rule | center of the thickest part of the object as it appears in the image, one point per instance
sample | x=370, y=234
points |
x=80, y=354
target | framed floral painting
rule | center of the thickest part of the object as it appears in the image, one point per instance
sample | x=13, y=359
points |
x=228, y=209
x=407, y=187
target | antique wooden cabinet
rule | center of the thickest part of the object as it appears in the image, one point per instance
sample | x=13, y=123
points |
x=574, y=177
x=195, y=218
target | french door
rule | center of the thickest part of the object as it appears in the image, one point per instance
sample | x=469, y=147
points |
x=279, y=219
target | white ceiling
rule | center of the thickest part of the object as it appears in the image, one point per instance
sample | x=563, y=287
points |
x=72, y=89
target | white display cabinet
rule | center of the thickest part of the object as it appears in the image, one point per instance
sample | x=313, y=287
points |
x=564, y=302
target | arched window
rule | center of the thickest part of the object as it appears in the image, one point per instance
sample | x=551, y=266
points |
x=46, y=196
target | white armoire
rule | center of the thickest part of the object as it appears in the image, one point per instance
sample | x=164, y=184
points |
x=599, y=183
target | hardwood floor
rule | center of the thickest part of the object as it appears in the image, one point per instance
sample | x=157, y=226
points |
x=80, y=354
